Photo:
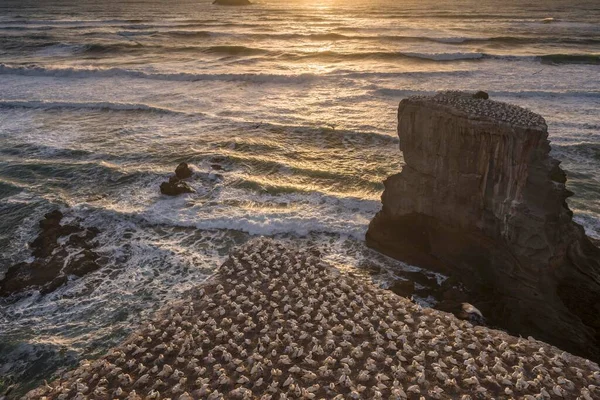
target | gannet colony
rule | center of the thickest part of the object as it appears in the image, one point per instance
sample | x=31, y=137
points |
x=276, y=322
x=496, y=111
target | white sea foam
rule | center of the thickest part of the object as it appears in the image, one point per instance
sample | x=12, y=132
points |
x=590, y=222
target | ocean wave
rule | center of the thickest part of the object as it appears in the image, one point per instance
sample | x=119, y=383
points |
x=234, y=50
x=589, y=221
x=334, y=36
x=34, y=70
x=185, y=34
x=127, y=47
x=255, y=214
x=52, y=47
x=520, y=40
x=577, y=125
x=102, y=106
x=332, y=56
x=456, y=56
x=593, y=59
x=8, y=188
x=446, y=56
x=496, y=94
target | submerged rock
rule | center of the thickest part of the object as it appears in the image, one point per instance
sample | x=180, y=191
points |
x=54, y=259
x=275, y=322
x=481, y=199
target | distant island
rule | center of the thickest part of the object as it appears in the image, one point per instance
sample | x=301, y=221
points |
x=232, y=2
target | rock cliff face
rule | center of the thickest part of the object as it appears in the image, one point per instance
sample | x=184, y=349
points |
x=480, y=198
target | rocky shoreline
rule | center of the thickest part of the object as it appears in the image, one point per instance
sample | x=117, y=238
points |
x=275, y=322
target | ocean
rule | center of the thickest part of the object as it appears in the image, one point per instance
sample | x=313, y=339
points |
x=287, y=111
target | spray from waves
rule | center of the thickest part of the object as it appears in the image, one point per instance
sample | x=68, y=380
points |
x=101, y=106
x=312, y=212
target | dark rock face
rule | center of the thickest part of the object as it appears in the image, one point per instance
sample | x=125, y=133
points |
x=183, y=171
x=481, y=199
x=232, y=2
x=52, y=264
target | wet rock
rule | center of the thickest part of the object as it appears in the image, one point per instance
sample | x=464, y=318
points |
x=183, y=171
x=480, y=199
x=175, y=187
x=51, y=229
x=52, y=263
x=403, y=288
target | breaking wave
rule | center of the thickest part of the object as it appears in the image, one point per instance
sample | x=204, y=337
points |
x=571, y=59
x=121, y=72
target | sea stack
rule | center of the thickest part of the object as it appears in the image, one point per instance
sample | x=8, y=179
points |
x=480, y=198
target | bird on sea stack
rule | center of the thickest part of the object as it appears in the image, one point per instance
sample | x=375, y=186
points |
x=277, y=323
